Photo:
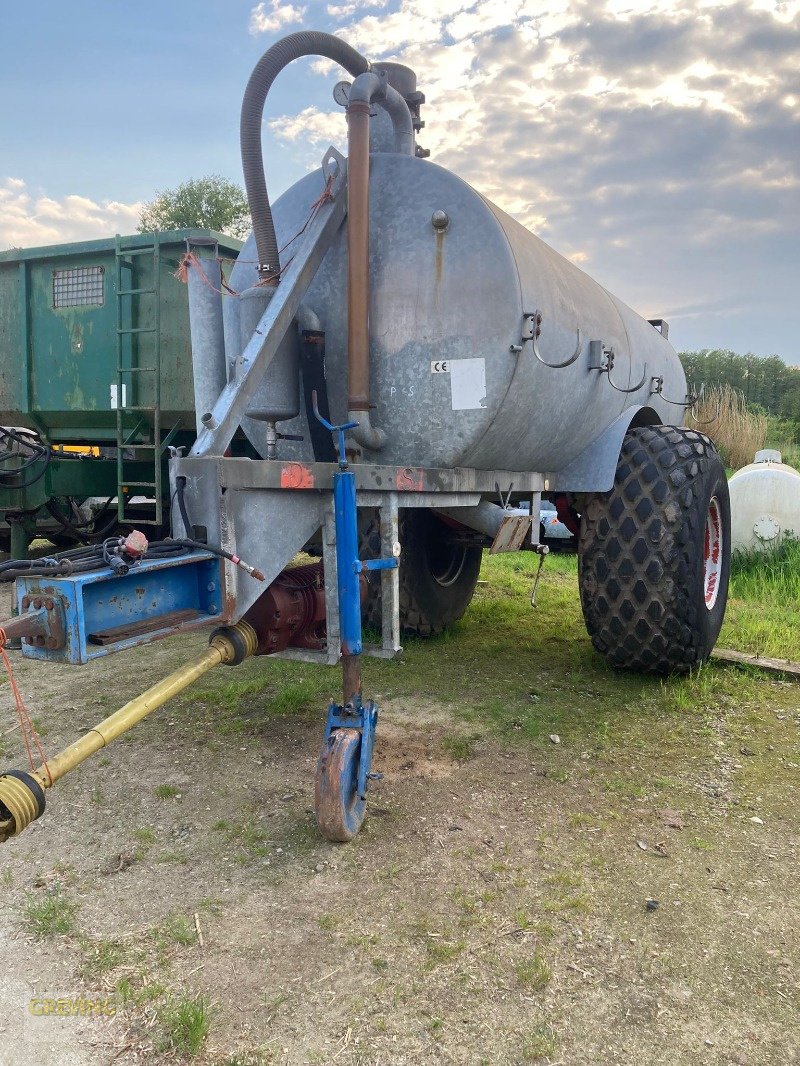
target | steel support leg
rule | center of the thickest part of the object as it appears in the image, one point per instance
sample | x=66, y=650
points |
x=346, y=757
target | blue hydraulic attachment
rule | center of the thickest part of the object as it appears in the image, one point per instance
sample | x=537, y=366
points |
x=92, y=614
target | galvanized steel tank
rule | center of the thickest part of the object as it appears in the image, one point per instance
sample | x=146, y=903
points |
x=452, y=379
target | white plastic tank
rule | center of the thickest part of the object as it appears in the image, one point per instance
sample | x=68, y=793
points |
x=765, y=503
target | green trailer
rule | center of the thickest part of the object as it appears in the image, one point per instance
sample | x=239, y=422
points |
x=95, y=379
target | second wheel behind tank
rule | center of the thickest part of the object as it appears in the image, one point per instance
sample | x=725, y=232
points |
x=438, y=571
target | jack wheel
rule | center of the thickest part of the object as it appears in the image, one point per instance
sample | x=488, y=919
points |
x=340, y=810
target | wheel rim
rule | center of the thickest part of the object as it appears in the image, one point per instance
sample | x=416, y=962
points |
x=446, y=561
x=712, y=554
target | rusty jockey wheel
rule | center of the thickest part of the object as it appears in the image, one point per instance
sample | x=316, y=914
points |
x=339, y=808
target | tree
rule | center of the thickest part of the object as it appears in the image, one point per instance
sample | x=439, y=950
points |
x=209, y=203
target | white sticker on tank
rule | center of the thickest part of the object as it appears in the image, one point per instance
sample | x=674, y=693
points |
x=467, y=384
x=114, y=396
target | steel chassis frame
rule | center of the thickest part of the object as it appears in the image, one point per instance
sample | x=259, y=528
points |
x=387, y=488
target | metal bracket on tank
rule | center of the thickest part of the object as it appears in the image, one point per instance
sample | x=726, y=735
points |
x=532, y=330
x=657, y=387
x=602, y=359
x=692, y=399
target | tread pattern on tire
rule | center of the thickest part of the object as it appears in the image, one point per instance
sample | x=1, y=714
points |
x=415, y=617
x=639, y=543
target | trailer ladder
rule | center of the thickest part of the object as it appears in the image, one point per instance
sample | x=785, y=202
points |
x=143, y=431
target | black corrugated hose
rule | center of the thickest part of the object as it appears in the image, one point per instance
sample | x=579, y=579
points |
x=296, y=45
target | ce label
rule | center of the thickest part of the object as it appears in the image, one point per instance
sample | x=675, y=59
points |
x=440, y=366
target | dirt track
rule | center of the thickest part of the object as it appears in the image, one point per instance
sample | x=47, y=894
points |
x=493, y=910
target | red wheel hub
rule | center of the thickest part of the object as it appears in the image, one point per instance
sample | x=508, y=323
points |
x=712, y=553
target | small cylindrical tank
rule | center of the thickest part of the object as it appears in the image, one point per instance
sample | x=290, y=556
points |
x=454, y=377
x=765, y=503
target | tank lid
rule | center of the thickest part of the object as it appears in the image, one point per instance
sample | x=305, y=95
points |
x=768, y=455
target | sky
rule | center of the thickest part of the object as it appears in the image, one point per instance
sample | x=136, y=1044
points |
x=656, y=145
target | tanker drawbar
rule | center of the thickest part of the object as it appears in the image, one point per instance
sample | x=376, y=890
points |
x=390, y=378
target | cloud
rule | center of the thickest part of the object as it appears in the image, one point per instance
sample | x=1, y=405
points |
x=656, y=142
x=350, y=7
x=268, y=18
x=312, y=127
x=27, y=219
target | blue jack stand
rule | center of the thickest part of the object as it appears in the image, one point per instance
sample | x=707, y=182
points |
x=343, y=768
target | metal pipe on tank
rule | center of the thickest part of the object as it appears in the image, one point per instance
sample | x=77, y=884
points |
x=364, y=89
x=307, y=318
x=397, y=110
x=205, y=325
x=390, y=128
x=232, y=332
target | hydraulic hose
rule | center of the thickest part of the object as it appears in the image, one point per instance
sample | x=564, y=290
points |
x=296, y=45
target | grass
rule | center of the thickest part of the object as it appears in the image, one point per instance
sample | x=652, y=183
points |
x=101, y=957
x=763, y=614
x=761, y=576
x=508, y=677
x=178, y=858
x=249, y=703
x=49, y=915
x=185, y=1023
x=534, y=973
x=519, y=673
x=164, y=792
x=139, y=991
x=539, y=1044
x=176, y=929
x=458, y=746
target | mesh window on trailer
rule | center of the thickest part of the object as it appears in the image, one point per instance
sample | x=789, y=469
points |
x=79, y=287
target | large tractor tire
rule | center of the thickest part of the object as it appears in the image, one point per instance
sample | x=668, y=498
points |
x=654, y=553
x=438, y=571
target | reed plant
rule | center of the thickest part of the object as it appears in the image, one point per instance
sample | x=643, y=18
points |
x=737, y=430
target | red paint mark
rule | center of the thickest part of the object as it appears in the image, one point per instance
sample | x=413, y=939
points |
x=409, y=480
x=296, y=476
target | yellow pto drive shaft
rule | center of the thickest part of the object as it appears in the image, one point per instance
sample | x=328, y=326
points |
x=22, y=793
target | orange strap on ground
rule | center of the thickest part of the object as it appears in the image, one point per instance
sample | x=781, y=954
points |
x=29, y=733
